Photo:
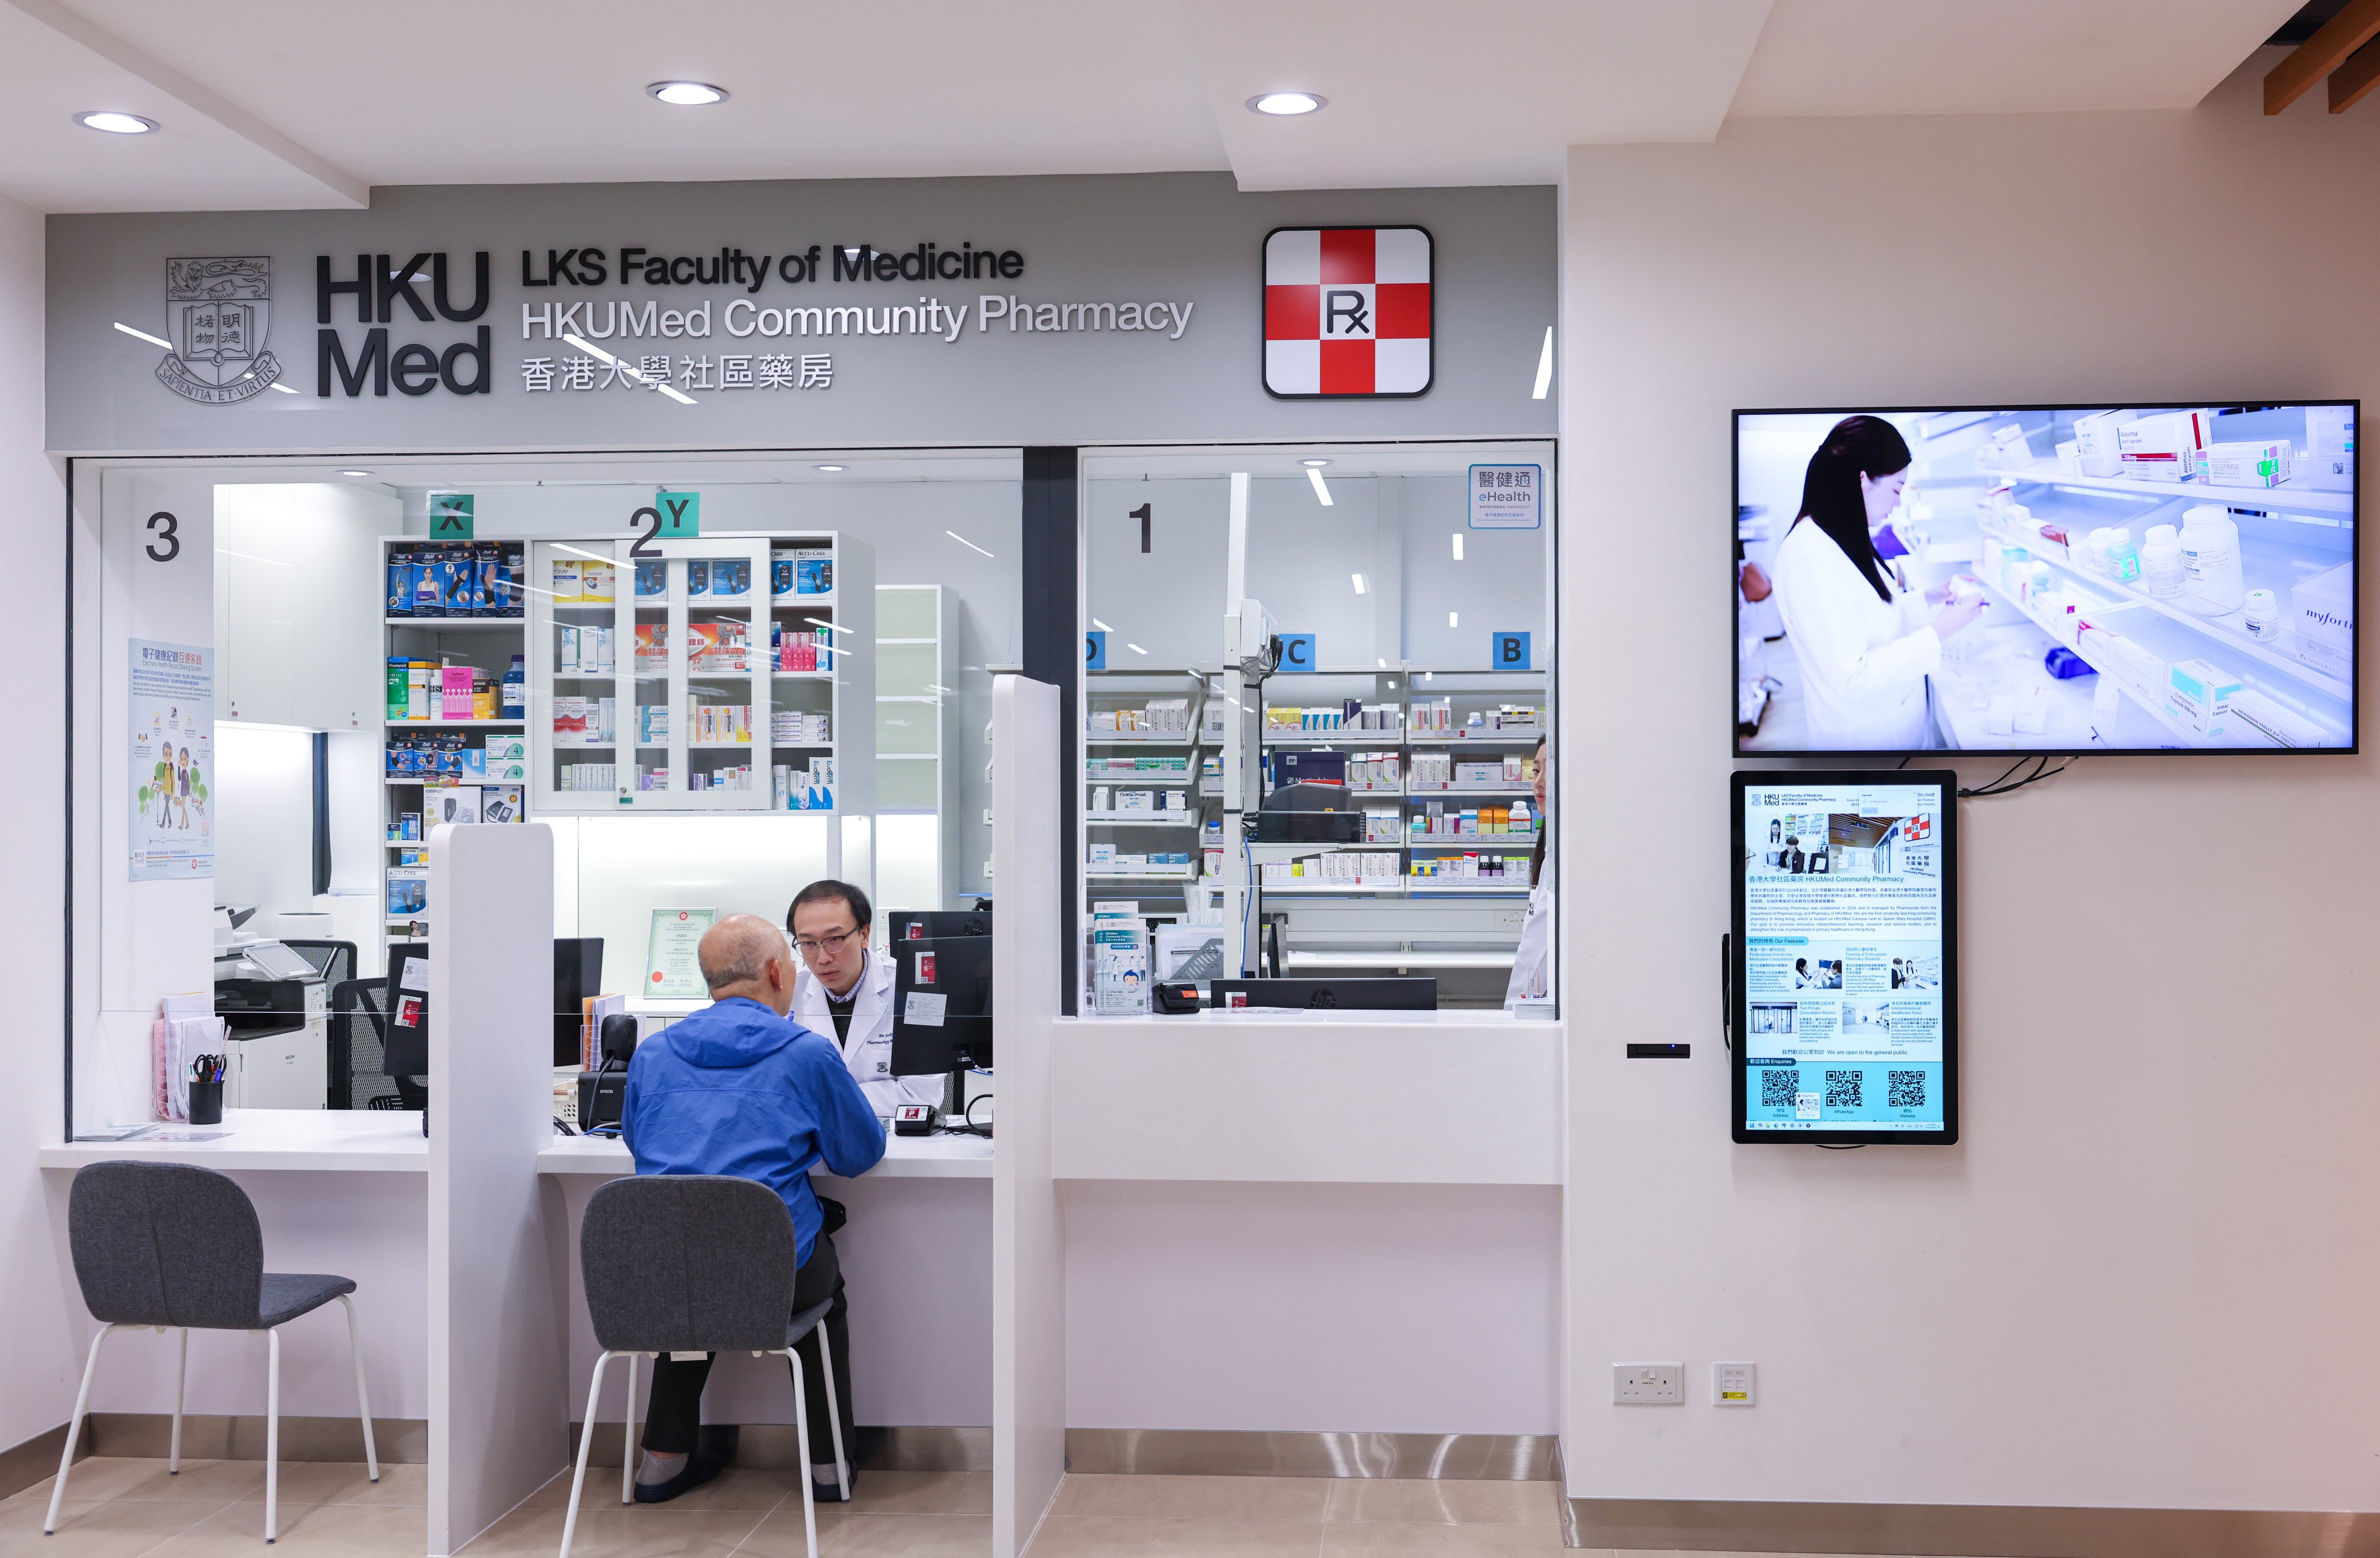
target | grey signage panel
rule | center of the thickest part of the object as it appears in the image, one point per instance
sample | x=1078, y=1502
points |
x=993, y=311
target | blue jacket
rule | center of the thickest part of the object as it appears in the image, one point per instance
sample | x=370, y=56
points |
x=735, y=1089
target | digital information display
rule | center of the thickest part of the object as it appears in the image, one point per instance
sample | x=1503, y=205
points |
x=1842, y=969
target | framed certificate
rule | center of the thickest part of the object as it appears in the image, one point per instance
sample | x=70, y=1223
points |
x=672, y=972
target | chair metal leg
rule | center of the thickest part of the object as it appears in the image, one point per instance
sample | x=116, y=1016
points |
x=833, y=1416
x=628, y=1435
x=181, y=1377
x=74, y=1430
x=363, y=1399
x=802, y=1438
x=586, y=1442
x=272, y=1436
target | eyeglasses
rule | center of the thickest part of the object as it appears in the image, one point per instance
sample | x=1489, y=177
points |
x=825, y=946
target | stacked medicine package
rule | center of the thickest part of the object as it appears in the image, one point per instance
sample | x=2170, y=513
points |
x=1156, y=718
x=454, y=579
x=810, y=789
x=428, y=690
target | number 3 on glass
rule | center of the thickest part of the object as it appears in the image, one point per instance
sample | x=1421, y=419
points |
x=168, y=538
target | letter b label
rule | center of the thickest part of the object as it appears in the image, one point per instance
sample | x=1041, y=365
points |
x=1507, y=651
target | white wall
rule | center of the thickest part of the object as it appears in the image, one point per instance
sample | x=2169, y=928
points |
x=2146, y=1276
x=264, y=820
x=37, y=1370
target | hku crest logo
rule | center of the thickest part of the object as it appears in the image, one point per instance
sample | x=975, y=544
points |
x=217, y=312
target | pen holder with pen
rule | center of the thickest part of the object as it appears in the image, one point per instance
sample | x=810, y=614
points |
x=206, y=1103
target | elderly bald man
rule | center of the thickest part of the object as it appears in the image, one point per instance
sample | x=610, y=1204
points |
x=737, y=1089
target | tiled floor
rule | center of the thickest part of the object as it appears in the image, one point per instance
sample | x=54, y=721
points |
x=215, y=1509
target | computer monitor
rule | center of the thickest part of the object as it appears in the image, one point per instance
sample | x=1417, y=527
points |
x=577, y=976
x=1345, y=995
x=932, y=924
x=941, y=1004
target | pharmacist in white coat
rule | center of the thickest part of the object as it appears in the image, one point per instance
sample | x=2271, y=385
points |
x=844, y=992
x=1533, y=960
x=1864, y=642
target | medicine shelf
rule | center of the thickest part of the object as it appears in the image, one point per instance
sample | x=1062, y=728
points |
x=1168, y=737
x=1482, y=843
x=1295, y=960
x=1421, y=791
x=1169, y=874
x=2223, y=629
x=1523, y=737
x=1122, y=778
x=451, y=724
x=1342, y=737
x=786, y=602
x=1143, y=819
x=2287, y=497
x=445, y=624
x=1334, y=889
x=794, y=676
x=1431, y=886
x=2154, y=708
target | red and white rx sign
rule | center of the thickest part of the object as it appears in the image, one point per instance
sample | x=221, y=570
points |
x=1347, y=311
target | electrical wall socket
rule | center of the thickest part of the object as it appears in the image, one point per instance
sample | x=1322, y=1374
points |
x=1731, y=1384
x=1648, y=1384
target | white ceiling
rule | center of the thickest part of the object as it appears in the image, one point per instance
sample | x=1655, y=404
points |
x=276, y=103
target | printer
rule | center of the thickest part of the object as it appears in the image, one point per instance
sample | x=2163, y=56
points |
x=275, y=1011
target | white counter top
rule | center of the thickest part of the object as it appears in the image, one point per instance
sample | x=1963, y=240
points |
x=349, y=1141
x=905, y=1157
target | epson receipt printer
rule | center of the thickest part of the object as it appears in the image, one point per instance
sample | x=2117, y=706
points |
x=602, y=1091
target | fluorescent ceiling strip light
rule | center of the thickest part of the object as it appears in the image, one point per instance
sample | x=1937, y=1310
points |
x=1359, y=583
x=664, y=385
x=829, y=626
x=1136, y=648
x=582, y=551
x=1545, y=367
x=1101, y=625
x=964, y=541
x=1454, y=619
x=152, y=340
x=1314, y=475
x=1458, y=546
x=251, y=557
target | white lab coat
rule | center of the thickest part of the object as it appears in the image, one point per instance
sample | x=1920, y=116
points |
x=1864, y=661
x=1533, y=960
x=868, y=1052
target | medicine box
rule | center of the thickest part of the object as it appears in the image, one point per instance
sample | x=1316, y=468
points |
x=500, y=803
x=2245, y=465
x=2163, y=447
x=813, y=571
x=508, y=749
x=2199, y=695
x=408, y=890
x=2324, y=606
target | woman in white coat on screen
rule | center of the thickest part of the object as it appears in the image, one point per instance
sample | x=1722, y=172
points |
x=845, y=993
x=1864, y=642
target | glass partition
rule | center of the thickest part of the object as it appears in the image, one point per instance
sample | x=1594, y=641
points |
x=717, y=678
x=1316, y=681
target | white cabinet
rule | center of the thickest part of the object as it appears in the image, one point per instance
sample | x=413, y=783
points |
x=297, y=603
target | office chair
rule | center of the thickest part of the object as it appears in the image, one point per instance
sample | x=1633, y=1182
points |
x=334, y=960
x=175, y=1247
x=685, y=1262
x=357, y=1030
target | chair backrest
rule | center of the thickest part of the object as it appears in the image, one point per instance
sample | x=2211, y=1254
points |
x=681, y=1263
x=357, y=1032
x=334, y=960
x=165, y=1244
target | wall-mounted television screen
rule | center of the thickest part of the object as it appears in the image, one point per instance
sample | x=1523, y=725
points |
x=2045, y=579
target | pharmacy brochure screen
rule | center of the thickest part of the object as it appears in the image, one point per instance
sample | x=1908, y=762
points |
x=1843, y=958
x=2045, y=580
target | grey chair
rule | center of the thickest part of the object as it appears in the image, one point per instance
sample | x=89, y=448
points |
x=167, y=1246
x=683, y=1262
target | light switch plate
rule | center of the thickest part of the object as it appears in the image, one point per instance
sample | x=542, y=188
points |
x=1648, y=1384
x=1732, y=1384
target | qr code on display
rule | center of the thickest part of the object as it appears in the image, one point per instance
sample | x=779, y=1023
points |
x=1844, y=1089
x=1778, y=1086
x=1908, y=1089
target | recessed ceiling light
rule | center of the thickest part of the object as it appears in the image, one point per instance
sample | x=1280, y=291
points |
x=116, y=124
x=687, y=94
x=1320, y=491
x=1313, y=465
x=355, y=473
x=1285, y=103
x=830, y=467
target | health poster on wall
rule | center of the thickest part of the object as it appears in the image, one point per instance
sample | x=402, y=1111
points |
x=171, y=692
x=672, y=973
